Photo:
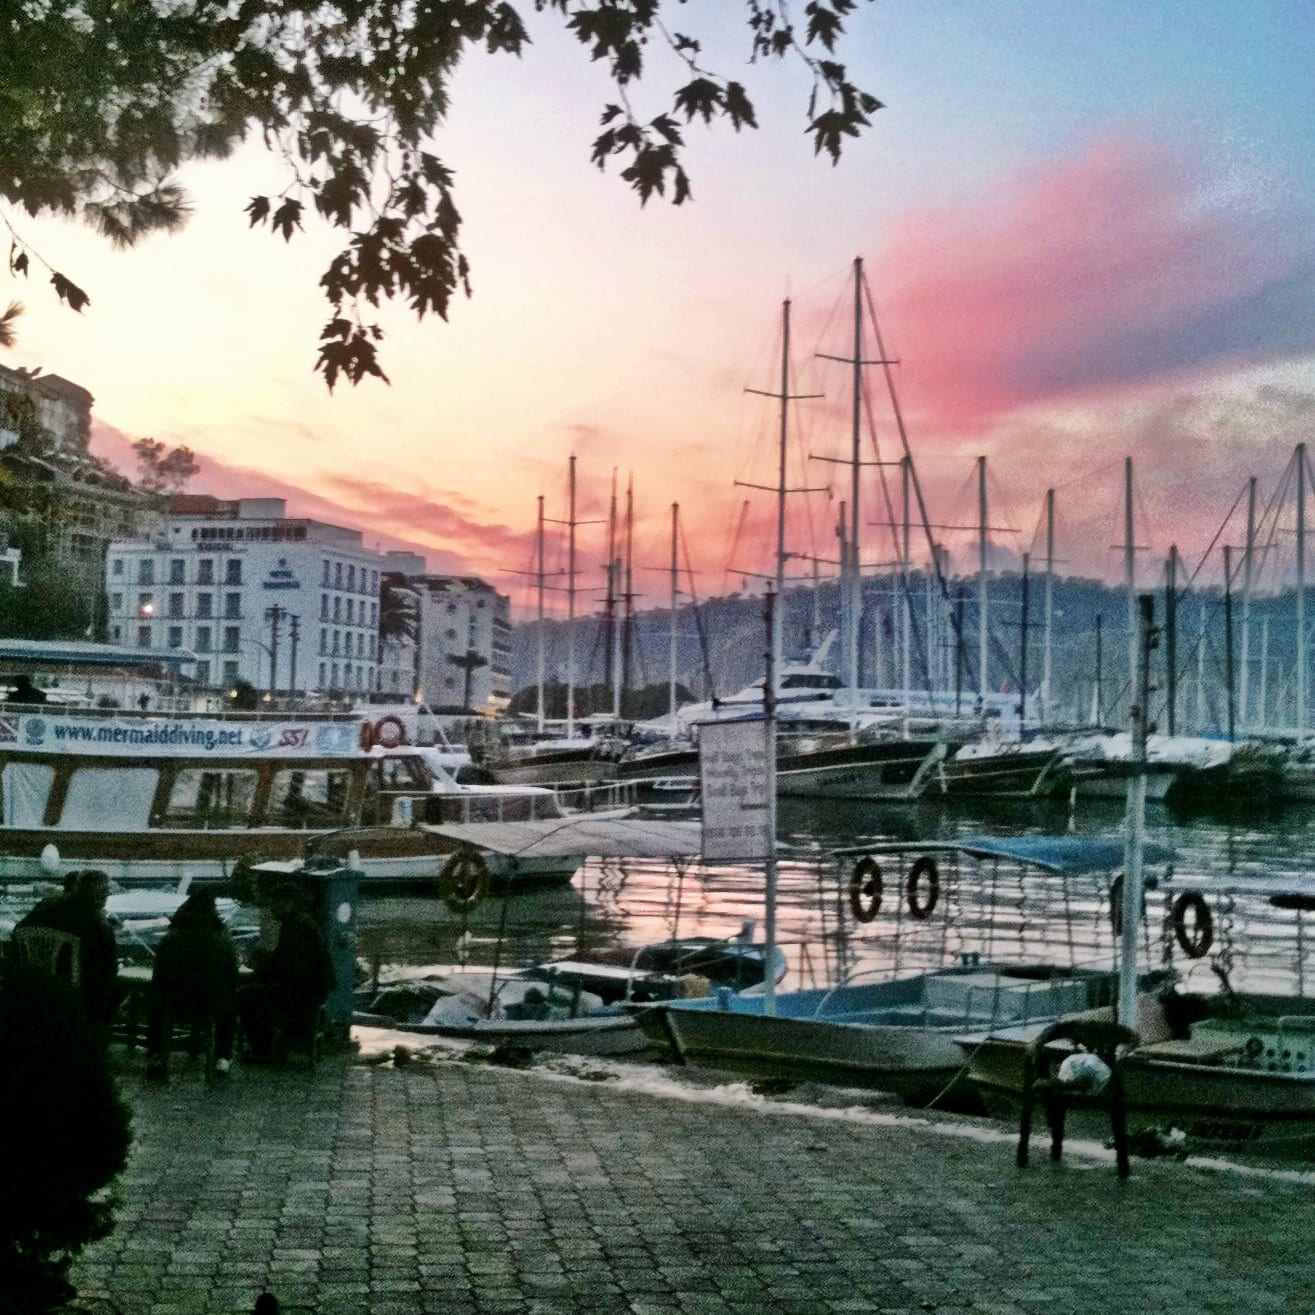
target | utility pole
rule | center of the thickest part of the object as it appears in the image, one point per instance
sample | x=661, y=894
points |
x=274, y=614
x=294, y=635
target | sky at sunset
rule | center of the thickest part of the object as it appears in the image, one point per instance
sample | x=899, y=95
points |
x=1087, y=230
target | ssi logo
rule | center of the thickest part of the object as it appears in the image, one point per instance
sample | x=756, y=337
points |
x=294, y=737
x=34, y=730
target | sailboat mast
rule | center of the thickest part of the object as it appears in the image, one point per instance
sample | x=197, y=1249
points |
x=1228, y=638
x=1130, y=578
x=1171, y=636
x=611, y=633
x=570, y=603
x=1301, y=586
x=1022, y=673
x=541, y=656
x=981, y=582
x=1247, y=581
x=855, y=577
x=906, y=639
x=1049, y=605
x=671, y=672
x=777, y=608
x=628, y=627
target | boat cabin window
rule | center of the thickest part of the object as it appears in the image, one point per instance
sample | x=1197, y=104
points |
x=204, y=798
x=24, y=789
x=109, y=799
x=308, y=797
x=818, y=680
x=403, y=773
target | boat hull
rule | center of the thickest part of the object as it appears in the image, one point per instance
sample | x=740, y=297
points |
x=604, y=1034
x=891, y=769
x=895, y=1036
x=1208, y=1087
x=1026, y=774
x=394, y=856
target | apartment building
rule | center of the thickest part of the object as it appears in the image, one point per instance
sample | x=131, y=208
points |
x=459, y=654
x=286, y=604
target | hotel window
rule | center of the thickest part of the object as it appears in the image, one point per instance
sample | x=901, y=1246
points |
x=143, y=636
x=230, y=672
x=324, y=607
x=116, y=566
x=337, y=609
x=116, y=602
x=233, y=571
x=116, y=634
x=204, y=604
x=334, y=672
x=145, y=604
x=351, y=612
x=203, y=639
x=175, y=605
x=203, y=673
x=146, y=571
x=177, y=569
x=230, y=639
x=337, y=575
x=175, y=636
x=374, y=614
x=325, y=578
x=351, y=577
x=205, y=571
x=324, y=645
x=360, y=645
x=337, y=639
x=232, y=605
x=321, y=675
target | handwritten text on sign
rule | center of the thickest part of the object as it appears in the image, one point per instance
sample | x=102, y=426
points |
x=733, y=780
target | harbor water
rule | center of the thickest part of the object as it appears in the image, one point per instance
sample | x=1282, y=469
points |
x=613, y=905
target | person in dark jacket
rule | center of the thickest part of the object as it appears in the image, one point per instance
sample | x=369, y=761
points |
x=79, y=909
x=290, y=981
x=195, y=979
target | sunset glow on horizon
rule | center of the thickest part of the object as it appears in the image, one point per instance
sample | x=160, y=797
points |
x=1086, y=231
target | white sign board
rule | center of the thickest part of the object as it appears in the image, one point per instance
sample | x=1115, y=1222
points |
x=733, y=787
x=177, y=737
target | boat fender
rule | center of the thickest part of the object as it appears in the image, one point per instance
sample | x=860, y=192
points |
x=367, y=737
x=865, y=889
x=389, y=732
x=464, y=880
x=921, y=906
x=1197, y=936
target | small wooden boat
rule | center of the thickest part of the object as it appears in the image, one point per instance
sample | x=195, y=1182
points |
x=575, y=1006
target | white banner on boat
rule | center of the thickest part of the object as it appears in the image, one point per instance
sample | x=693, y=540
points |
x=177, y=737
x=733, y=787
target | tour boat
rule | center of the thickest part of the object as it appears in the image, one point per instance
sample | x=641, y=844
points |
x=155, y=799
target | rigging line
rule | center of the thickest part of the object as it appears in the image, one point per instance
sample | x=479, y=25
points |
x=1205, y=556
x=699, y=625
x=904, y=442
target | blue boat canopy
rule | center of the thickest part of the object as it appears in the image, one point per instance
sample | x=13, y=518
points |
x=1072, y=855
x=1067, y=854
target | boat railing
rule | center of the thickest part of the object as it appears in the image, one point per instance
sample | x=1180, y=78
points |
x=593, y=796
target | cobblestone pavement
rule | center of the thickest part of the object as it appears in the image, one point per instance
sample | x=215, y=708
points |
x=465, y=1189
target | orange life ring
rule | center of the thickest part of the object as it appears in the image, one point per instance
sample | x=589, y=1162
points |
x=389, y=732
x=464, y=880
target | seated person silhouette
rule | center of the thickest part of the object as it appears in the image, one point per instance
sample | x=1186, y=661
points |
x=290, y=981
x=195, y=979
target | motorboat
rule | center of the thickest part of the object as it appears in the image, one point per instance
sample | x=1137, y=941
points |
x=901, y=1034
x=579, y=1005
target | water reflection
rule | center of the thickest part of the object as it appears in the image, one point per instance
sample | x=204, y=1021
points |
x=612, y=905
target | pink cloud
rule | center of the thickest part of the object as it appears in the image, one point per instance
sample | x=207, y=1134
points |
x=1099, y=274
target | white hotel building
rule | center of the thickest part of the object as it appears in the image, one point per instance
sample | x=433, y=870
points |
x=284, y=604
